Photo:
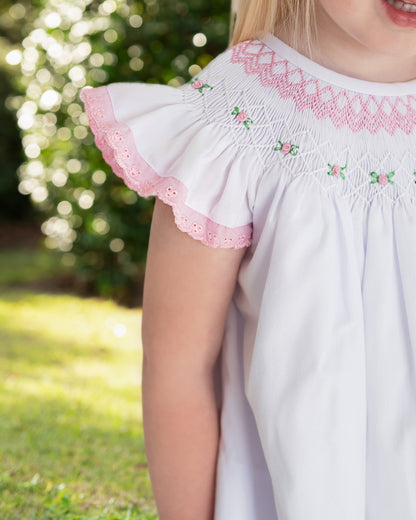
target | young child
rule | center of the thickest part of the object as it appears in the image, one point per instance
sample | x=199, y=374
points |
x=290, y=164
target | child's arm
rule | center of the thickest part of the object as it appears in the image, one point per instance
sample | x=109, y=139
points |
x=188, y=288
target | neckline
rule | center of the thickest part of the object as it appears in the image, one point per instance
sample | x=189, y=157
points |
x=335, y=78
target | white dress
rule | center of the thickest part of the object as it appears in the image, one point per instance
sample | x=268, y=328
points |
x=315, y=172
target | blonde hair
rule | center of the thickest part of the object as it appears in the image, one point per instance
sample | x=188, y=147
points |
x=251, y=19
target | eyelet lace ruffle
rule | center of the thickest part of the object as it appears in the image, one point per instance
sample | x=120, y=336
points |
x=116, y=142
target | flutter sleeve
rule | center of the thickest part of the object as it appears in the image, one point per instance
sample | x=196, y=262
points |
x=174, y=144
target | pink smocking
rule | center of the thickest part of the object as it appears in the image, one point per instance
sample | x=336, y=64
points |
x=343, y=107
x=116, y=142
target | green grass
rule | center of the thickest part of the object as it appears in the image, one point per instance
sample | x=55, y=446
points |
x=24, y=266
x=71, y=440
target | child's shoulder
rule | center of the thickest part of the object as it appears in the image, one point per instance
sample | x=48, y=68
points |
x=235, y=77
x=200, y=147
x=233, y=97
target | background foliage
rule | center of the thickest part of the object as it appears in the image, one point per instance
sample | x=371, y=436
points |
x=51, y=50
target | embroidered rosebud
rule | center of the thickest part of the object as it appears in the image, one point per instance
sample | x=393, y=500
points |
x=382, y=178
x=336, y=170
x=287, y=148
x=197, y=84
x=241, y=117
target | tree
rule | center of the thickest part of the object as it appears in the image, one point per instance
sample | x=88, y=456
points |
x=13, y=205
x=100, y=225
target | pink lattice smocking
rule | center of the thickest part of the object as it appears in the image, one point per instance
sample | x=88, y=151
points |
x=116, y=142
x=343, y=107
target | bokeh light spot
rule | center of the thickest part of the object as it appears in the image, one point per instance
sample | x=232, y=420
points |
x=199, y=40
x=110, y=36
x=136, y=64
x=119, y=330
x=39, y=194
x=99, y=177
x=59, y=178
x=64, y=207
x=117, y=245
x=53, y=20
x=74, y=166
x=96, y=60
x=32, y=151
x=80, y=132
x=136, y=21
x=14, y=57
x=100, y=226
x=134, y=51
x=64, y=134
x=194, y=69
x=17, y=11
x=108, y=7
x=86, y=200
x=50, y=99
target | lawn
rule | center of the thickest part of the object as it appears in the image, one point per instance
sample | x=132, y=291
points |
x=71, y=440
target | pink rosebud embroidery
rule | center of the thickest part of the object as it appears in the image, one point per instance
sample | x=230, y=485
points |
x=382, y=178
x=197, y=84
x=242, y=117
x=336, y=170
x=287, y=148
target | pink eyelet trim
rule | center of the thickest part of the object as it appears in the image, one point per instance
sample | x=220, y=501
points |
x=116, y=142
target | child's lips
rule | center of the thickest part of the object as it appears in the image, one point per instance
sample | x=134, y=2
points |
x=399, y=17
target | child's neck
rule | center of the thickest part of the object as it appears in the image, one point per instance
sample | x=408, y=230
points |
x=343, y=54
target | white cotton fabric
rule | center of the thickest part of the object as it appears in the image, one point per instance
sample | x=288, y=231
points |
x=318, y=365
x=176, y=138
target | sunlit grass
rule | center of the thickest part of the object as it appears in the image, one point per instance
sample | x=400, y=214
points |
x=71, y=441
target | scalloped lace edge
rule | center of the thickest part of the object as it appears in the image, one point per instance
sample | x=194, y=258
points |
x=116, y=142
